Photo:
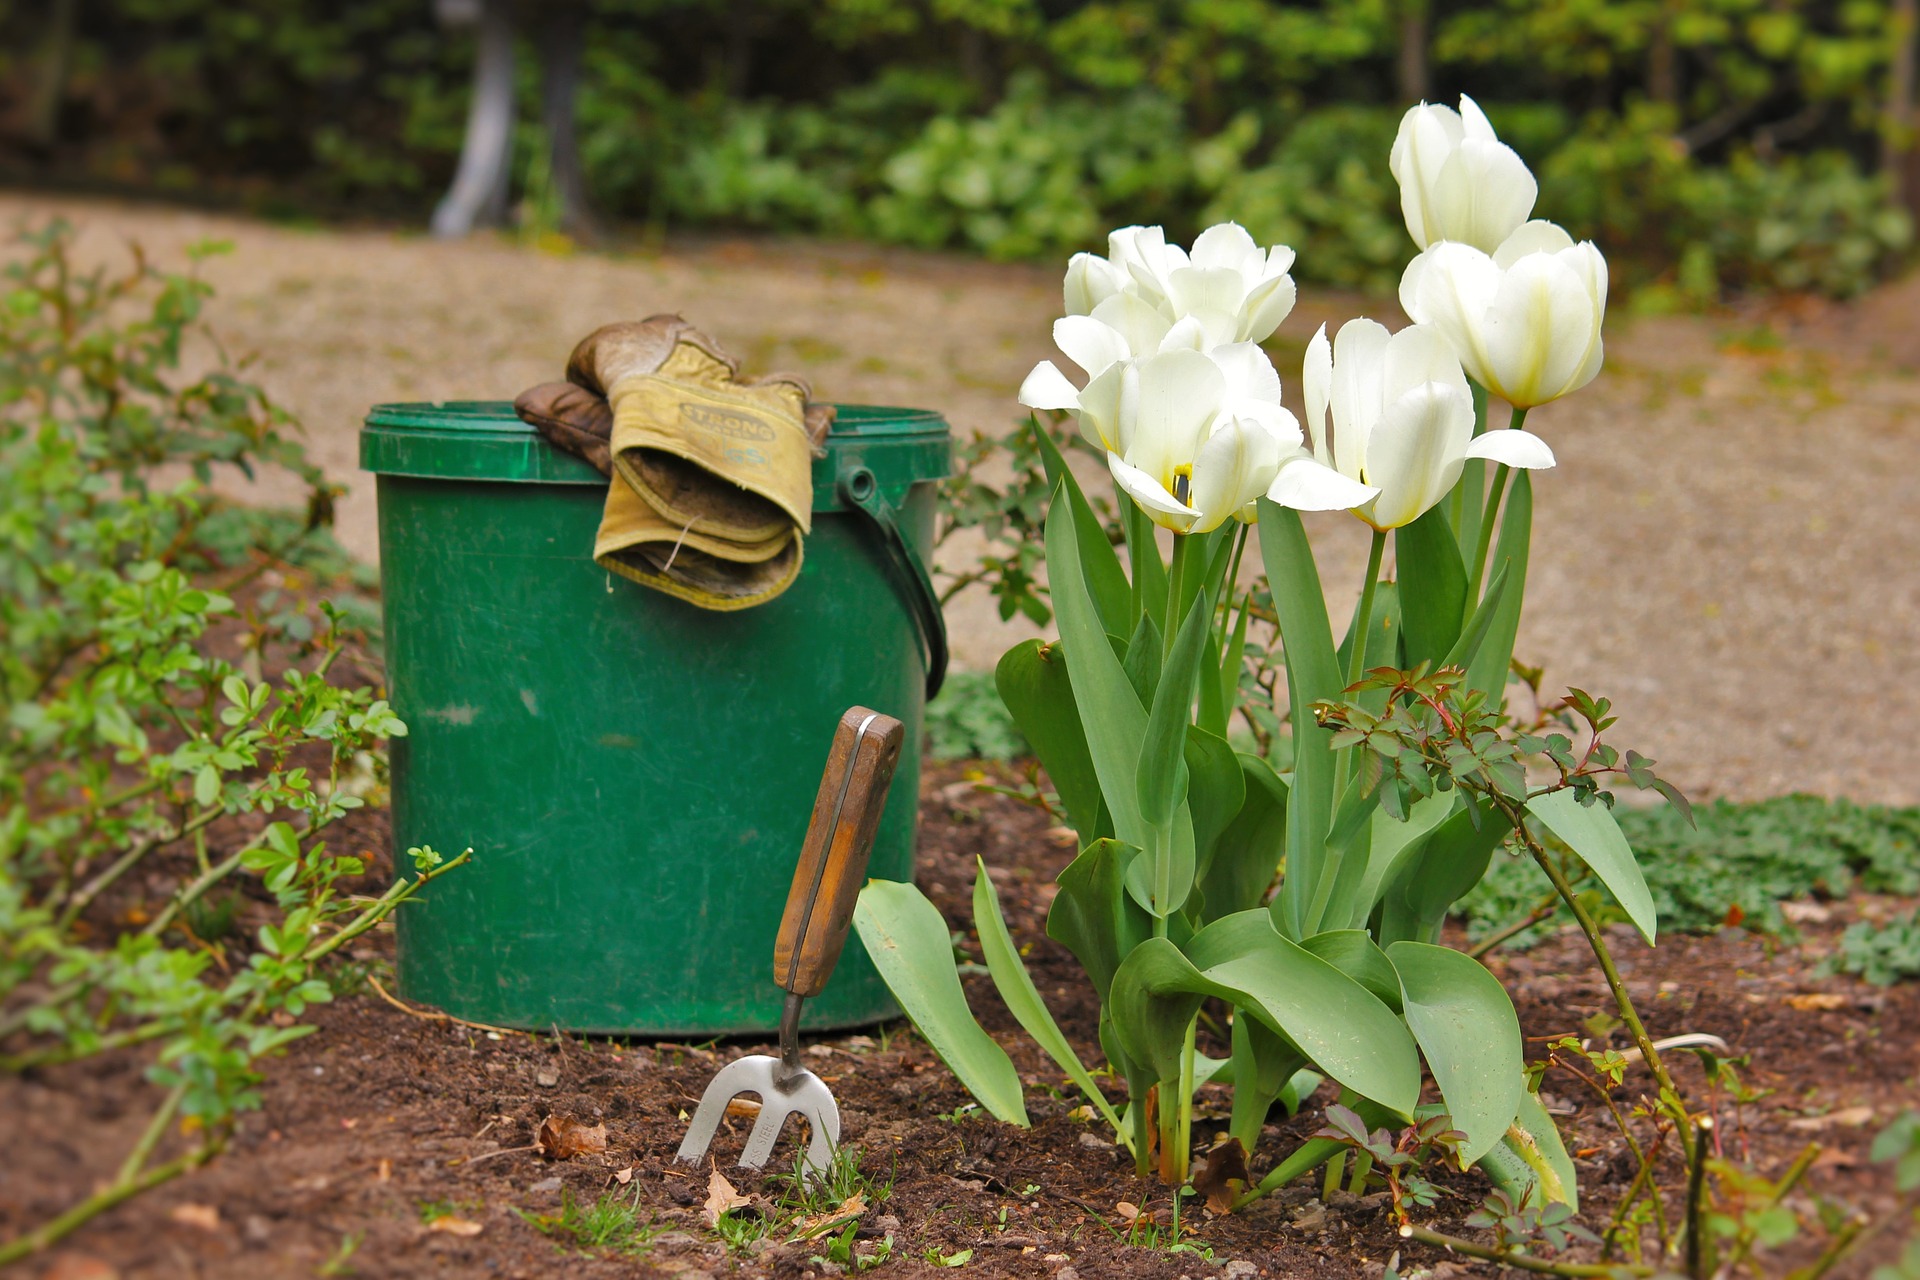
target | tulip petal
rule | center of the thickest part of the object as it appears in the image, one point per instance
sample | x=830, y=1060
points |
x=1482, y=193
x=1101, y=404
x=1512, y=448
x=1267, y=304
x=1359, y=359
x=1474, y=125
x=1090, y=281
x=1540, y=330
x=1306, y=485
x=1138, y=322
x=1250, y=375
x=1457, y=285
x=1415, y=355
x=1090, y=343
x=1228, y=245
x=1234, y=466
x=1161, y=507
x=1415, y=452
x=1047, y=388
x=1538, y=236
x=1180, y=392
x=1316, y=382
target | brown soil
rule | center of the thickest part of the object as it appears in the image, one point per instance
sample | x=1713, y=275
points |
x=384, y=1114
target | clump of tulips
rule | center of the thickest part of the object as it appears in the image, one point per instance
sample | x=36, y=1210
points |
x=1304, y=894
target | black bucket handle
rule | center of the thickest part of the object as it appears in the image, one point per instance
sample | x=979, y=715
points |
x=859, y=490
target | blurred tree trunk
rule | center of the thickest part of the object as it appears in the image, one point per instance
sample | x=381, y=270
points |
x=1900, y=123
x=562, y=41
x=1663, y=64
x=56, y=61
x=479, y=193
x=1412, y=73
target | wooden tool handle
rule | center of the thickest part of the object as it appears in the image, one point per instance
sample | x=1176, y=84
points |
x=833, y=860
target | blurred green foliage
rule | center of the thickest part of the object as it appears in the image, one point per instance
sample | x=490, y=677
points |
x=1708, y=145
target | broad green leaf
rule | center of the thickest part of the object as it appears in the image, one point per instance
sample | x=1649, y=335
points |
x=1596, y=839
x=1336, y=900
x=1216, y=789
x=1451, y=863
x=1263, y=1066
x=1015, y=985
x=1247, y=854
x=1143, y=554
x=1143, y=881
x=1488, y=671
x=1142, y=660
x=1156, y=993
x=1531, y=1163
x=1354, y=953
x=1230, y=663
x=1212, y=715
x=906, y=937
x=1433, y=586
x=1342, y=1027
x=1394, y=839
x=1467, y=647
x=1092, y=914
x=1466, y=1026
x=1113, y=720
x=1161, y=777
x=1312, y=675
x=1033, y=683
x=1106, y=580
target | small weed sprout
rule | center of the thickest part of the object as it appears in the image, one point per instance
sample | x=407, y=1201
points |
x=611, y=1223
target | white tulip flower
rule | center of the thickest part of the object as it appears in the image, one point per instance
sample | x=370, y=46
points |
x=1457, y=180
x=1525, y=321
x=1193, y=437
x=1235, y=290
x=1401, y=419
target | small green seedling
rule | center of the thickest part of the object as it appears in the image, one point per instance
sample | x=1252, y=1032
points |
x=611, y=1223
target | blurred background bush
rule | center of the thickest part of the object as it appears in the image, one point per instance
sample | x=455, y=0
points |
x=1711, y=146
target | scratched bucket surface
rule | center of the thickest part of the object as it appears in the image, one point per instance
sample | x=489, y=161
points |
x=633, y=774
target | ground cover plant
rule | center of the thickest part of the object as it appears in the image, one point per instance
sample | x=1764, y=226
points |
x=172, y=765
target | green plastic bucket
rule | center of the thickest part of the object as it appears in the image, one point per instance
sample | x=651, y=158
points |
x=633, y=774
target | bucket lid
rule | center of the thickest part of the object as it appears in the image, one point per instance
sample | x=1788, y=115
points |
x=486, y=440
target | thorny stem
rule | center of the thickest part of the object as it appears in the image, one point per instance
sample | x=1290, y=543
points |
x=1522, y=1261
x=1696, y=1198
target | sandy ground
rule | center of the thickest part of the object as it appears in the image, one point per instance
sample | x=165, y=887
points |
x=1727, y=548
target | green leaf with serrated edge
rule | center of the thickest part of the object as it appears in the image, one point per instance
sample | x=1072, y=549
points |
x=1353, y=953
x=907, y=939
x=1141, y=661
x=1015, y=985
x=1393, y=840
x=1113, y=720
x=1143, y=554
x=1433, y=586
x=1448, y=864
x=1341, y=1026
x=1092, y=914
x=1263, y=1066
x=1033, y=683
x=1100, y=563
x=1312, y=675
x=1465, y=1024
x=1596, y=839
x=1247, y=854
x=1488, y=671
x=1531, y=1163
x=1161, y=777
x=1467, y=647
x=1216, y=788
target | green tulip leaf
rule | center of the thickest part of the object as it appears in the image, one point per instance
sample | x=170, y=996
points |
x=1531, y=1163
x=1488, y=670
x=1596, y=839
x=907, y=939
x=1466, y=1026
x=1161, y=776
x=1106, y=580
x=1015, y=985
x=1033, y=683
x=1093, y=916
x=1246, y=855
x=1355, y=954
x=1433, y=586
x=1216, y=790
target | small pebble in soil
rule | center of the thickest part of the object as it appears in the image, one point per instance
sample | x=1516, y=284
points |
x=1094, y=1142
x=1237, y=1268
x=546, y=1186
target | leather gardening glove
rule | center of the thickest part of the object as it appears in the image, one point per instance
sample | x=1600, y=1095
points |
x=571, y=419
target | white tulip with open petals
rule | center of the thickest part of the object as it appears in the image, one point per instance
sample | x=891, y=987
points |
x=1457, y=180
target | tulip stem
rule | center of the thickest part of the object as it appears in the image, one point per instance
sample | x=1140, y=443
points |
x=1488, y=518
x=1363, y=616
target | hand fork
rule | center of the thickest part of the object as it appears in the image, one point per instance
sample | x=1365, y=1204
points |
x=826, y=884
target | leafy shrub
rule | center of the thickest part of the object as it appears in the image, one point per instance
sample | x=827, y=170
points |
x=1883, y=954
x=144, y=773
x=969, y=722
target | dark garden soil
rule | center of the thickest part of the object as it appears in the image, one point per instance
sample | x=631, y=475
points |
x=386, y=1119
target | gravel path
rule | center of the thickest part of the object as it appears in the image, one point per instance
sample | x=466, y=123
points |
x=1727, y=550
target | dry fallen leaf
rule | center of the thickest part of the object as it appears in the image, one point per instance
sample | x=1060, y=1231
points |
x=1223, y=1175
x=455, y=1226
x=79, y=1266
x=563, y=1138
x=1810, y=1001
x=383, y=1171
x=818, y=1224
x=623, y=1176
x=742, y=1109
x=721, y=1198
x=1845, y=1117
x=1127, y=1209
x=203, y=1216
